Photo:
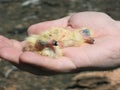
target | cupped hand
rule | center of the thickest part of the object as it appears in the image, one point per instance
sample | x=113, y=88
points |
x=104, y=53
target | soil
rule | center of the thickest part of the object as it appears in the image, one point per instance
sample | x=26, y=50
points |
x=15, y=18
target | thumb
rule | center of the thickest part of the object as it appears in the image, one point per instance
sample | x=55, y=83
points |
x=37, y=28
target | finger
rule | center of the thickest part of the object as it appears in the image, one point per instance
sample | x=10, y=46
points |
x=4, y=42
x=99, y=23
x=37, y=28
x=62, y=64
x=18, y=45
x=10, y=54
x=89, y=19
x=3, y=38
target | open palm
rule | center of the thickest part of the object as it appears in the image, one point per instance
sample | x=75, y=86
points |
x=104, y=53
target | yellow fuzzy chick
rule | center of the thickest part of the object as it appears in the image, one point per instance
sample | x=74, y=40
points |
x=50, y=42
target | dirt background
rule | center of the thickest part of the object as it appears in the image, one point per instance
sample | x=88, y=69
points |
x=17, y=15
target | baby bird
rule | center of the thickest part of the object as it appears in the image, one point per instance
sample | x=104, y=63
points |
x=50, y=42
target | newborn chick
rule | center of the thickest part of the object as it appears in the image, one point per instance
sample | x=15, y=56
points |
x=50, y=42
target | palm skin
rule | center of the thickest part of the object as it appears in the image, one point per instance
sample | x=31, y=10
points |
x=104, y=53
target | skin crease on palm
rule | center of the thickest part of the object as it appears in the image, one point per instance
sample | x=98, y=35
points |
x=104, y=53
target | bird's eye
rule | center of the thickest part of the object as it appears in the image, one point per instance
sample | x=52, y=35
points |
x=86, y=32
x=55, y=43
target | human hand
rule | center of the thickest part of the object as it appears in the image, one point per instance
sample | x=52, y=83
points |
x=104, y=53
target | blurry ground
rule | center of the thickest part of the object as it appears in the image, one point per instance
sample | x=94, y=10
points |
x=17, y=15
